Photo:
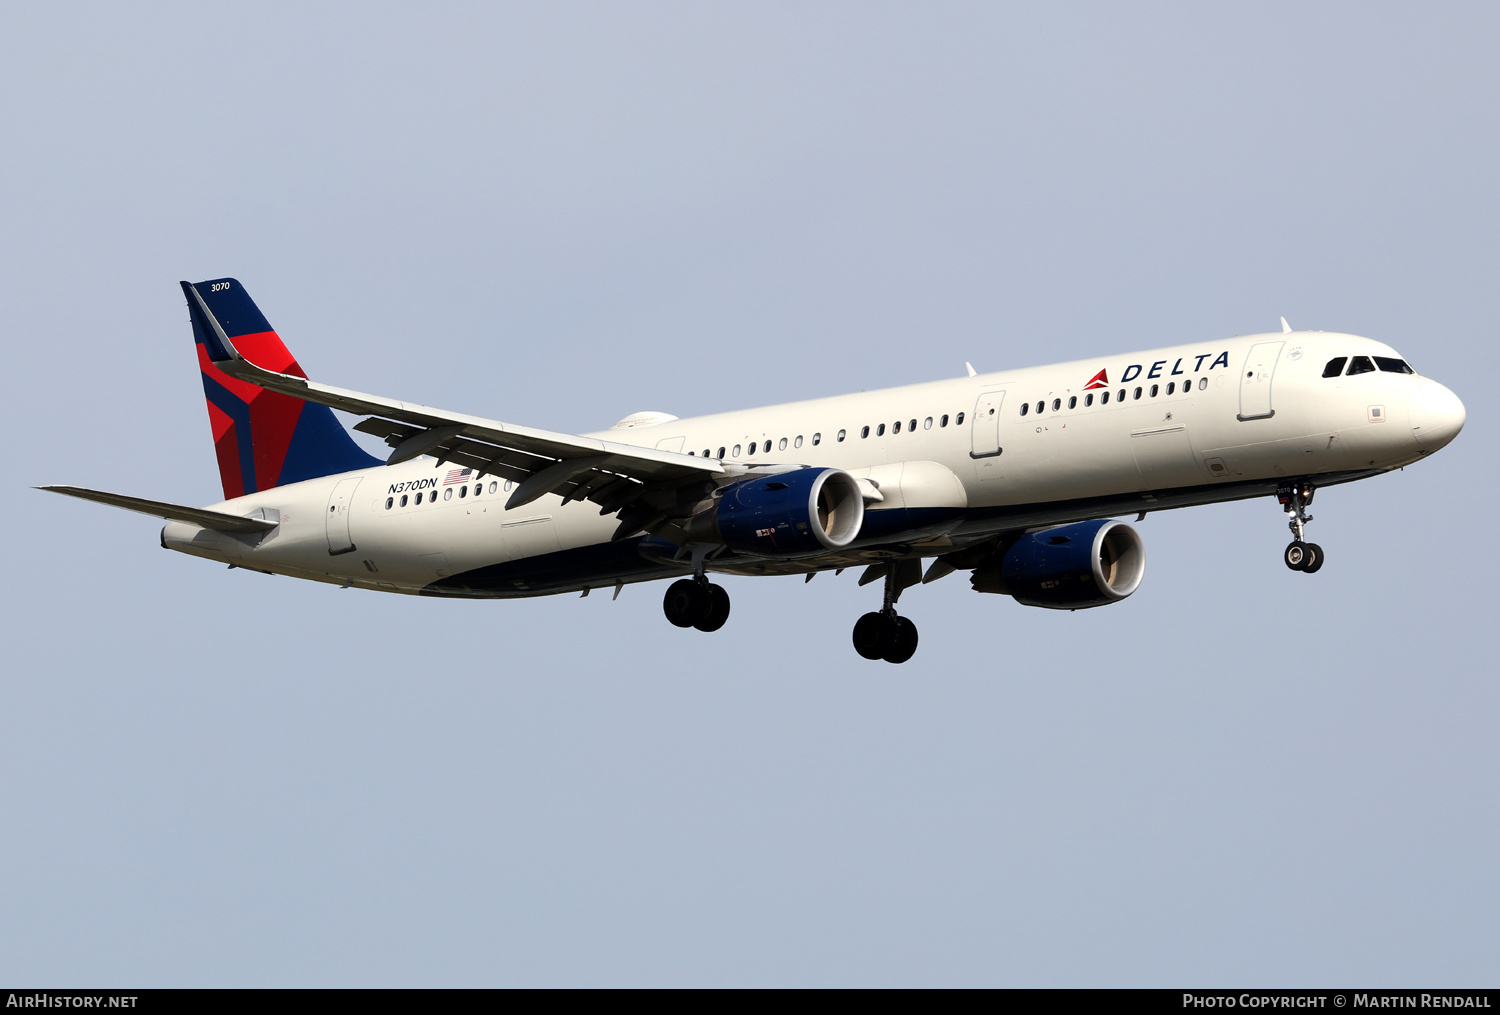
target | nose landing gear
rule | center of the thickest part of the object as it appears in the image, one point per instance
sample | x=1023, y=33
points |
x=886, y=634
x=1299, y=555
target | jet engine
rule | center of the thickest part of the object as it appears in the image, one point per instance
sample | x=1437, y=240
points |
x=788, y=514
x=1067, y=567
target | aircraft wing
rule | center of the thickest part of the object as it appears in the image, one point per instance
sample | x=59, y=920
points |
x=221, y=520
x=642, y=483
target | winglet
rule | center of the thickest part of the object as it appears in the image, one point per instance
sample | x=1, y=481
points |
x=970, y=368
x=1286, y=329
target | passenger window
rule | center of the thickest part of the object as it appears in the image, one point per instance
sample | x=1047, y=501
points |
x=1025, y=408
x=1202, y=383
x=478, y=487
x=1171, y=387
x=388, y=502
x=782, y=445
x=447, y=494
x=1154, y=389
x=1335, y=366
x=798, y=442
x=913, y=425
x=1137, y=393
x=927, y=423
x=880, y=430
x=768, y=447
x=1056, y=404
x=1073, y=401
x=492, y=485
x=403, y=500
x=1104, y=398
x=706, y=454
x=463, y=491
x=896, y=427
x=1041, y=407
x=750, y=448
x=943, y=420
x=1393, y=366
x=508, y=485
x=432, y=497
x=958, y=420
x=736, y=451
x=1088, y=400
x=864, y=432
x=721, y=454
x=1360, y=365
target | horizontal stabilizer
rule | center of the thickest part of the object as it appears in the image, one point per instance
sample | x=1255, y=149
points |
x=220, y=520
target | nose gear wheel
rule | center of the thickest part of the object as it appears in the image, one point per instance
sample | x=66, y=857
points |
x=1299, y=555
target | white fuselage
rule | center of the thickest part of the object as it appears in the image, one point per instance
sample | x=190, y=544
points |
x=1215, y=421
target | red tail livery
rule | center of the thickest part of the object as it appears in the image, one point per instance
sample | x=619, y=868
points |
x=263, y=439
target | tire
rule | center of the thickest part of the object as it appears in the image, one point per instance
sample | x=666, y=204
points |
x=903, y=643
x=1296, y=556
x=718, y=609
x=685, y=603
x=871, y=634
x=1317, y=558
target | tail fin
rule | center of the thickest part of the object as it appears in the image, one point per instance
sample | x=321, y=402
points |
x=263, y=439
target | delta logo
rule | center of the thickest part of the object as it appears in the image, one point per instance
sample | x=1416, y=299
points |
x=1100, y=380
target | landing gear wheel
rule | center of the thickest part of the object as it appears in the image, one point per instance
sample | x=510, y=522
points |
x=1317, y=558
x=718, y=609
x=687, y=603
x=1298, y=555
x=903, y=642
x=872, y=633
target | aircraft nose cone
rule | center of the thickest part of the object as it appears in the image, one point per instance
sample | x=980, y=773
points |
x=1436, y=415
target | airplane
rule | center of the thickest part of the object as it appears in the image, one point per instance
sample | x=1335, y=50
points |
x=1016, y=477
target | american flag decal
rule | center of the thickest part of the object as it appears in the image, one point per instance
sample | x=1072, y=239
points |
x=457, y=476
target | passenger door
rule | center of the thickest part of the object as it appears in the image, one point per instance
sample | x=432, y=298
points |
x=986, y=425
x=1255, y=381
x=337, y=518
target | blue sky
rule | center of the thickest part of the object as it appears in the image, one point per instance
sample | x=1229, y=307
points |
x=560, y=214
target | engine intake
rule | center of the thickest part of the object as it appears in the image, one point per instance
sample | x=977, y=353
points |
x=1067, y=567
x=789, y=514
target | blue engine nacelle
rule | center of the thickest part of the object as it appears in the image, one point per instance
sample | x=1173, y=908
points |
x=789, y=514
x=1067, y=567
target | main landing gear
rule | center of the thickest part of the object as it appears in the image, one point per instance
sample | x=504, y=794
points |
x=696, y=602
x=887, y=635
x=1299, y=555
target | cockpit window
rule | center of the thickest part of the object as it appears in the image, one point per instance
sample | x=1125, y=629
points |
x=1335, y=366
x=1360, y=365
x=1393, y=366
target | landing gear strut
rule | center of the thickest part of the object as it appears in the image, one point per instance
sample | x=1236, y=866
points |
x=1299, y=555
x=696, y=602
x=887, y=635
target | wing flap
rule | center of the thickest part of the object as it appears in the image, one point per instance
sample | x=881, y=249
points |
x=642, y=463
x=540, y=461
